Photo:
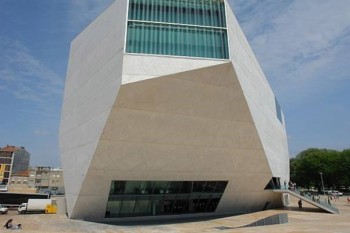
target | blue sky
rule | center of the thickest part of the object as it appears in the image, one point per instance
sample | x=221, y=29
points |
x=302, y=46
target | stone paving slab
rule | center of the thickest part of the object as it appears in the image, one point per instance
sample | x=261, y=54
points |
x=309, y=219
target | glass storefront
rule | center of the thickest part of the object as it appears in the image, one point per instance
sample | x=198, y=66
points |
x=150, y=198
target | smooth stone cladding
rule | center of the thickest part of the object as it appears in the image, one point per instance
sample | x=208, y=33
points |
x=167, y=118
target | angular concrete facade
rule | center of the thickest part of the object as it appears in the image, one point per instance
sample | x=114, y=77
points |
x=137, y=117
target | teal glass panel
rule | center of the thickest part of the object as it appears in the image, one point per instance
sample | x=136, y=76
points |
x=194, y=12
x=194, y=28
x=178, y=40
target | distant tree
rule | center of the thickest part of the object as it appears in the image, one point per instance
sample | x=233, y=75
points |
x=344, y=168
x=335, y=166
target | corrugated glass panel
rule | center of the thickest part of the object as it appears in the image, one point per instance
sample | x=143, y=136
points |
x=178, y=40
x=194, y=28
x=195, y=12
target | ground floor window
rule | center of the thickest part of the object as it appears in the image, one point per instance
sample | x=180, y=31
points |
x=150, y=198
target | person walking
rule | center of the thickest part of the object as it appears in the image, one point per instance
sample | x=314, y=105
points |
x=300, y=204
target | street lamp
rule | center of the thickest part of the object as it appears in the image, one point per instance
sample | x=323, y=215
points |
x=322, y=183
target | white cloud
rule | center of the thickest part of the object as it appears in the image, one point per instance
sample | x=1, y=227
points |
x=26, y=77
x=301, y=45
x=41, y=132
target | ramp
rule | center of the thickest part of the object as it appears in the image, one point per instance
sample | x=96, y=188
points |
x=271, y=220
x=322, y=204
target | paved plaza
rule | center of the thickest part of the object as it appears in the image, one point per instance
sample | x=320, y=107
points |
x=309, y=219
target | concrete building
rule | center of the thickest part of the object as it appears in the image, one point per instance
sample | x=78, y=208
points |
x=20, y=178
x=166, y=111
x=19, y=183
x=12, y=160
x=38, y=180
x=46, y=180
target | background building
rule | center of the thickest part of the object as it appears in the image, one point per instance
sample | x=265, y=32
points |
x=12, y=160
x=39, y=177
x=19, y=183
x=166, y=111
x=38, y=180
x=46, y=180
x=20, y=178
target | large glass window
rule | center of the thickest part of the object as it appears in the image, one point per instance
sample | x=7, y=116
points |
x=178, y=40
x=146, y=198
x=195, y=12
x=194, y=28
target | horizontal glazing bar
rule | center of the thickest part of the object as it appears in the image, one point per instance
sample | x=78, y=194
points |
x=176, y=24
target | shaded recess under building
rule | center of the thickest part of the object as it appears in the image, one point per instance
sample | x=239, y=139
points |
x=10, y=199
x=166, y=111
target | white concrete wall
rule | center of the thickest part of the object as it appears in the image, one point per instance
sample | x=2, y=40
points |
x=143, y=67
x=260, y=98
x=93, y=81
x=134, y=117
x=193, y=125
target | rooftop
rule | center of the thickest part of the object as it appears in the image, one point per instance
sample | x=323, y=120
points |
x=9, y=148
x=21, y=174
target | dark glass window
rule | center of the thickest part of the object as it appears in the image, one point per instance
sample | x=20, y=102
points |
x=147, y=198
x=279, y=111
